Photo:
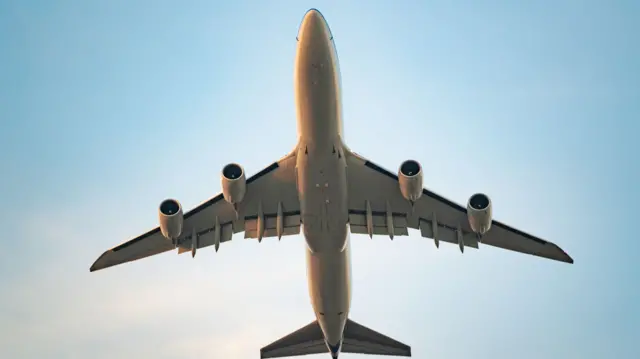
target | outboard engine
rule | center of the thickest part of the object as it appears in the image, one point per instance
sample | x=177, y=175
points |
x=171, y=218
x=479, y=213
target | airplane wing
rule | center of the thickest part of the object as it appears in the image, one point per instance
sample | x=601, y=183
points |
x=375, y=190
x=269, y=192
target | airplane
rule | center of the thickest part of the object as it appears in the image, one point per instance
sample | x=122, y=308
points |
x=327, y=191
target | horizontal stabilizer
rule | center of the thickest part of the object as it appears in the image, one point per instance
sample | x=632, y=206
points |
x=362, y=340
x=356, y=339
x=307, y=340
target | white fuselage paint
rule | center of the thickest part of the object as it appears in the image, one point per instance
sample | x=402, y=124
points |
x=321, y=175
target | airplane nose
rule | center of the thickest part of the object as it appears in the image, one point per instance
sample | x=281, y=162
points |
x=312, y=12
x=313, y=26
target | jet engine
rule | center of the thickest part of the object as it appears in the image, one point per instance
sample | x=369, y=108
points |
x=479, y=213
x=170, y=214
x=410, y=180
x=234, y=183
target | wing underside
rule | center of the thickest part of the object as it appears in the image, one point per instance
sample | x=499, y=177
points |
x=271, y=195
x=376, y=206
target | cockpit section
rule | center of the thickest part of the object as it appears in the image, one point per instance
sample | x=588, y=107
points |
x=313, y=25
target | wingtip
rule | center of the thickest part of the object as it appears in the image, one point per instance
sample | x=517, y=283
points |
x=567, y=258
x=96, y=265
x=559, y=254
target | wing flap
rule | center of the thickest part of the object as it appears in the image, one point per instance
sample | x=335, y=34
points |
x=290, y=221
x=447, y=234
x=286, y=231
x=206, y=237
x=358, y=223
x=379, y=231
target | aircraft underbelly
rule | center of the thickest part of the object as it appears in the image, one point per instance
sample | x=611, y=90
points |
x=322, y=190
x=329, y=274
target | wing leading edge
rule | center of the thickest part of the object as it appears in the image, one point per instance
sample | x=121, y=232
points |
x=375, y=190
x=270, y=192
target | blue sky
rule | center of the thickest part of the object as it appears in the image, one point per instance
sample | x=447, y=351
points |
x=107, y=108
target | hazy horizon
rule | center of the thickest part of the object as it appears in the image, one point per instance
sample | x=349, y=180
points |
x=108, y=108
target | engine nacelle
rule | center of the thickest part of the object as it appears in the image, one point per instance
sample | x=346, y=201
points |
x=171, y=218
x=479, y=213
x=234, y=183
x=410, y=180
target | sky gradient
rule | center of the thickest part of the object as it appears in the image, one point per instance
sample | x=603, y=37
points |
x=107, y=108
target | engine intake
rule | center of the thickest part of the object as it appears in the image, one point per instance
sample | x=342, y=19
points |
x=234, y=183
x=410, y=180
x=171, y=218
x=479, y=213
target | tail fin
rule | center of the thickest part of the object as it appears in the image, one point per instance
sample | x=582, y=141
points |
x=356, y=339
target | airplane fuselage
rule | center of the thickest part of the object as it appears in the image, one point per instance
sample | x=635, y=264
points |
x=321, y=176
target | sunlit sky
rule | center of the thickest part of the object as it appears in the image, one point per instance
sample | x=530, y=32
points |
x=108, y=107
